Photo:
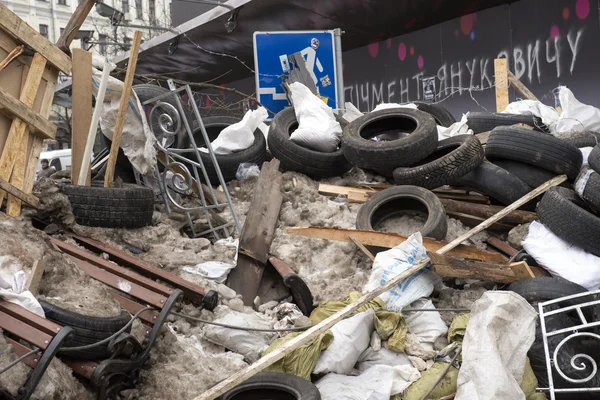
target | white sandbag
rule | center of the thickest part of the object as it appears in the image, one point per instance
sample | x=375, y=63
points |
x=387, y=106
x=16, y=292
x=370, y=358
x=240, y=135
x=426, y=325
x=575, y=116
x=317, y=127
x=547, y=114
x=499, y=334
x=350, y=338
x=561, y=258
x=352, y=112
x=458, y=128
x=247, y=343
x=391, y=263
x=585, y=153
x=377, y=383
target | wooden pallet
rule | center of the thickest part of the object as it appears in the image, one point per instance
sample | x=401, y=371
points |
x=26, y=93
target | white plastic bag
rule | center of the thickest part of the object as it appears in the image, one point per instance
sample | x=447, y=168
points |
x=458, y=128
x=370, y=358
x=317, y=127
x=247, y=170
x=585, y=152
x=239, y=136
x=548, y=115
x=391, y=263
x=426, y=325
x=387, y=106
x=248, y=343
x=16, y=292
x=377, y=383
x=352, y=112
x=214, y=270
x=350, y=338
x=562, y=258
x=576, y=116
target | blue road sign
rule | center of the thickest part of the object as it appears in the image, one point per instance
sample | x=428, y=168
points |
x=271, y=60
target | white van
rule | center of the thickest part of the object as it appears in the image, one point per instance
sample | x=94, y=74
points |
x=59, y=159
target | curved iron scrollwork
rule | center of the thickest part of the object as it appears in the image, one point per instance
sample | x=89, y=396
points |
x=167, y=119
x=178, y=179
x=576, y=360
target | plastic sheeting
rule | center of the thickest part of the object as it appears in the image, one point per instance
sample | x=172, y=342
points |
x=16, y=292
x=499, y=334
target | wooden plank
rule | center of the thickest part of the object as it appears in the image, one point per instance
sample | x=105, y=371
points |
x=502, y=246
x=455, y=267
x=14, y=107
x=522, y=270
x=123, y=107
x=389, y=240
x=358, y=197
x=191, y=291
x=24, y=33
x=18, y=129
x=334, y=190
x=501, y=76
x=471, y=198
x=362, y=247
x=473, y=220
x=82, y=111
x=516, y=217
x=35, y=276
x=24, y=331
x=27, y=198
x=258, y=233
x=82, y=368
x=514, y=206
x=68, y=35
x=16, y=52
x=21, y=350
x=34, y=321
x=133, y=307
x=521, y=89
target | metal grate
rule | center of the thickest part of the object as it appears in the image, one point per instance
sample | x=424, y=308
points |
x=564, y=346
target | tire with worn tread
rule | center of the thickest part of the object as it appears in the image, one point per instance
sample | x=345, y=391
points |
x=582, y=139
x=587, y=185
x=495, y=182
x=399, y=200
x=294, y=157
x=87, y=330
x=532, y=176
x=418, y=139
x=228, y=163
x=452, y=159
x=442, y=116
x=273, y=386
x=481, y=122
x=129, y=207
x=594, y=158
x=560, y=211
x=534, y=148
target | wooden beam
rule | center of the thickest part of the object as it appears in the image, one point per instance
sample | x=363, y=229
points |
x=502, y=246
x=123, y=107
x=455, y=267
x=517, y=217
x=16, y=52
x=24, y=33
x=362, y=247
x=501, y=76
x=27, y=198
x=81, y=112
x=74, y=24
x=473, y=220
x=18, y=129
x=521, y=89
x=258, y=233
x=14, y=107
x=389, y=240
x=523, y=271
x=35, y=276
x=514, y=206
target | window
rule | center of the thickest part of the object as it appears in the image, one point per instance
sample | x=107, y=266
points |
x=103, y=44
x=152, y=11
x=62, y=2
x=44, y=30
x=125, y=6
x=127, y=43
x=139, y=13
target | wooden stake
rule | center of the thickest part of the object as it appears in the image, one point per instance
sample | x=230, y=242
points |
x=82, y=112
x=11, y=56
x=521, y=89
x=123, y=107
x=35, y=277
x=324, y=325
x=501, y=75
x=75, y=22
x=530, y=196
x=362, y=247
x=13, y=191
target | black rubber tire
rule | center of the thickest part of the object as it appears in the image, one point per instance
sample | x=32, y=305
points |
x=582, y=139
x=481, y=122
x=594, y=159
x=532, y=176
x=400, y=199
x=441, y=116
x=591, y=190
x=385, y=156
x=558, y=211
x=228, y=163
x=495, y=182
x=534, y=148
x=146, y=92
x=273, y=386
x=294, y=157
x=542, y=289
x=453, y=158
x=87, y=330
x=129, y=207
